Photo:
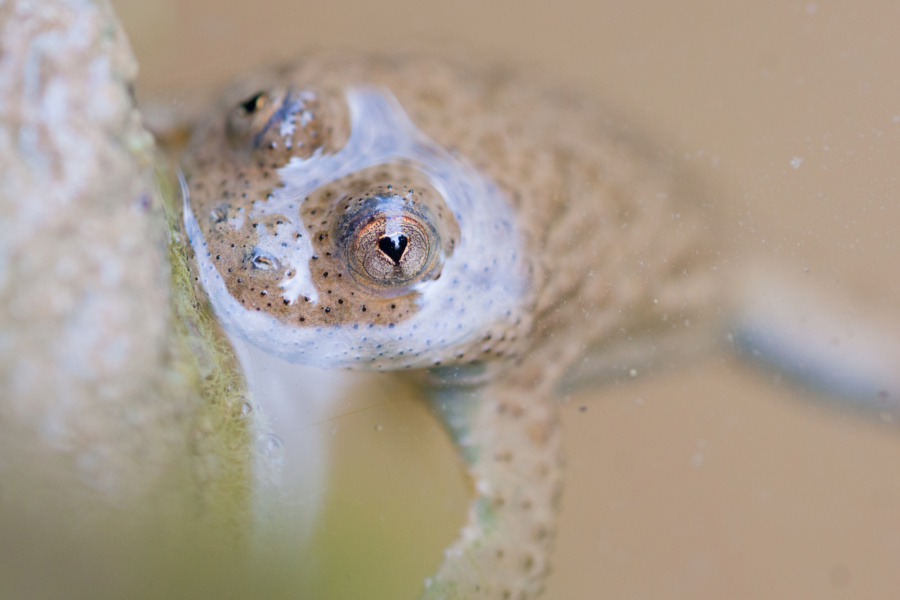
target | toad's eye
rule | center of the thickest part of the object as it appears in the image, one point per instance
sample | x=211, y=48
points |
x=251, y=117
x=278, y=123
x=254, y=103
x=391, y=242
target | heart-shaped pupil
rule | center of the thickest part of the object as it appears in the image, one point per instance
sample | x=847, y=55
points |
x=393, y=246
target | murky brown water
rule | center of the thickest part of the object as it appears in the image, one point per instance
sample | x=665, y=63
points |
x=716, y=481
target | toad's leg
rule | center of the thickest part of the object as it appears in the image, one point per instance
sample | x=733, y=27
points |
x=844, y=350
x=510, y=438
x=832, y=345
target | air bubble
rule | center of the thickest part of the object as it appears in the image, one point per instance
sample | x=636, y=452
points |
x=272, y=445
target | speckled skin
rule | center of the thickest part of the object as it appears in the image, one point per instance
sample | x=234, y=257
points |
x=608, y=243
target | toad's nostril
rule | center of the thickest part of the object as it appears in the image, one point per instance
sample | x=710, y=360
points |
x=393, y=246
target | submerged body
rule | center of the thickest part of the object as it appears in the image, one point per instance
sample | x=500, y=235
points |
x=406, y=214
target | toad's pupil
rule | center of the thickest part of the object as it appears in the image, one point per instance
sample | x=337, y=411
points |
x=251, y=105
x=393, y=246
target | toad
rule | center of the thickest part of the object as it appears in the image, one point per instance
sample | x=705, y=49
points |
x=465, y=226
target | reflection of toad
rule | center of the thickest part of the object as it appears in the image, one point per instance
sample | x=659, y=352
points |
x=406, y=214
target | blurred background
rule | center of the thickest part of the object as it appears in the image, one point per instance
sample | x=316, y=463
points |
x=718, y=481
